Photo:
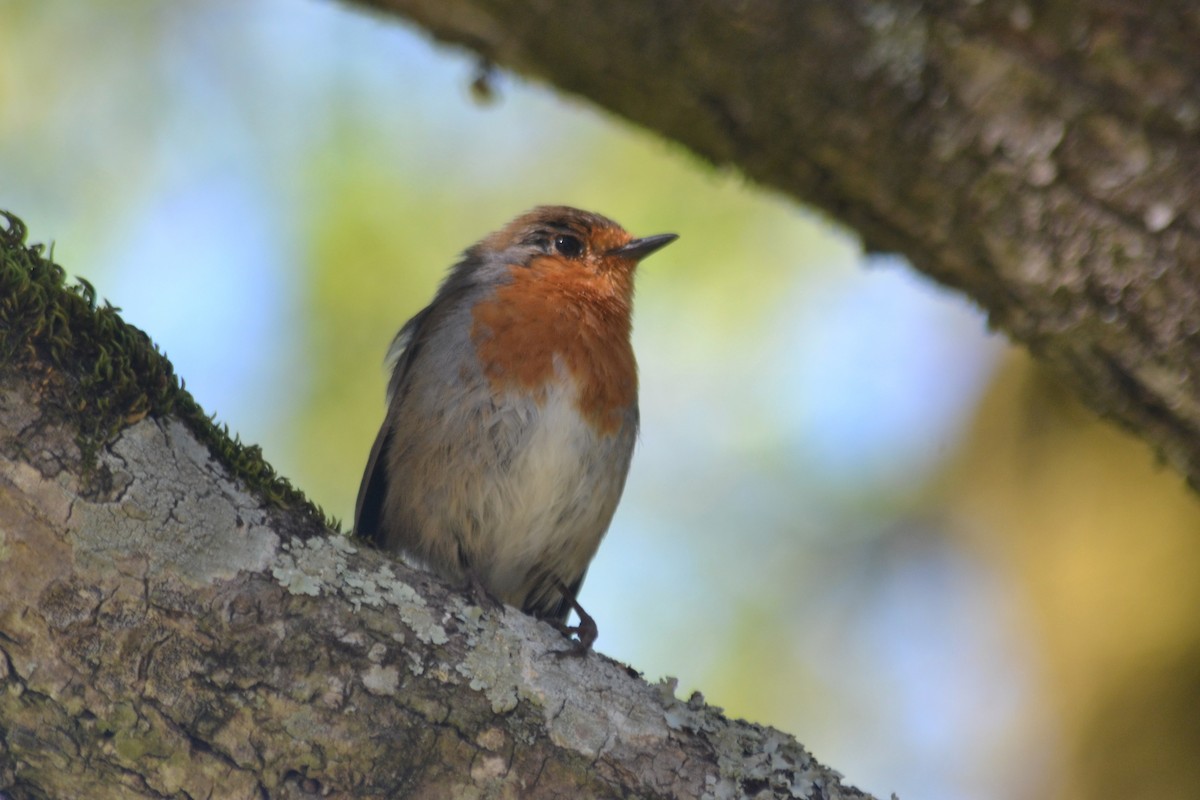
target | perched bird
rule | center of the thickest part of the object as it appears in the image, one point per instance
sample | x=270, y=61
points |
x=512, y=413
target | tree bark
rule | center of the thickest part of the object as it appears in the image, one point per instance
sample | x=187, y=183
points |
x=164, y=632
x=1041, y=158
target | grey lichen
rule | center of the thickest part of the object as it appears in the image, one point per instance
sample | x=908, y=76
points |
x=155, y=511
x=381, y=680
x=295, y=580
x=321, y=566
x=494, y=666
x=747, y=753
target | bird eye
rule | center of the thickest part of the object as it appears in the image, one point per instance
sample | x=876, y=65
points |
x=569, y=246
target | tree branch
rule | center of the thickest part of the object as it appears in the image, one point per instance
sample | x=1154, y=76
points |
x=1041, y=158
x=164, y=632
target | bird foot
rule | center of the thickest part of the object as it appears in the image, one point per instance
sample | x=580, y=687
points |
x=585, y=633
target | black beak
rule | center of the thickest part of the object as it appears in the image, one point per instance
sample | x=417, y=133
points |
x=640, y=248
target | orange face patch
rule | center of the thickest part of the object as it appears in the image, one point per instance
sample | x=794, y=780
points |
x=577, y=311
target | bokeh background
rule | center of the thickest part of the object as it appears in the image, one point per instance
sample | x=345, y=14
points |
x=854, y=514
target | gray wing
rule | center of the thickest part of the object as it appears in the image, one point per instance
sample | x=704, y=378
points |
x=403, y=353
x=372, y=492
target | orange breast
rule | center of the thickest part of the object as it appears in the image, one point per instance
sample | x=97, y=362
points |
x=565, y=310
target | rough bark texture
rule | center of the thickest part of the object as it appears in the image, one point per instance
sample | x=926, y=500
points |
x=164, y=632
x=1042, y=158
x=164, y=635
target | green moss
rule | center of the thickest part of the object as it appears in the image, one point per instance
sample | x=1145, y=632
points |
x=110, y=373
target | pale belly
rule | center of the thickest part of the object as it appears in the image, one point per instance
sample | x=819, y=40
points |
x=516, y=488
x=545, y=508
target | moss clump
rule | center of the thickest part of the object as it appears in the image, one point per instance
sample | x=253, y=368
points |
x=111, y=373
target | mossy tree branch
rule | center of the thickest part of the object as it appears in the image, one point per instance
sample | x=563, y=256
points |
x=1043, y=158
x=175, y=621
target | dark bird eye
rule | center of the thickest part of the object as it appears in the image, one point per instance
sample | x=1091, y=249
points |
x=569, y=246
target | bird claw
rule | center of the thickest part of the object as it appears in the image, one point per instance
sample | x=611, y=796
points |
x=585, y=633
x=581, y=646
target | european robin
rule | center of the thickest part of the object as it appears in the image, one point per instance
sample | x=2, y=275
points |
x=512, y=412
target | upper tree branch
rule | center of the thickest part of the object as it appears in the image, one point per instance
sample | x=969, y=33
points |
x=1042, y=158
